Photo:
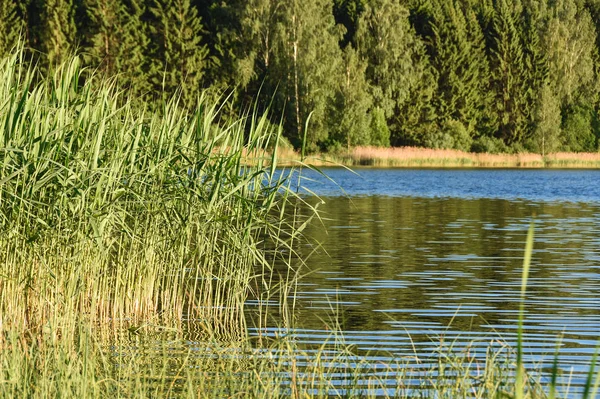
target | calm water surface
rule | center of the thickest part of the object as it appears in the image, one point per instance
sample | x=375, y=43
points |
x=412, y=260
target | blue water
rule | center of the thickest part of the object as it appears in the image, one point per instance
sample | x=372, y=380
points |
x=412, y=255
x=511, y=184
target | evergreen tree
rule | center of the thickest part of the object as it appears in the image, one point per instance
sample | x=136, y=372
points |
x=105, y=31
x=229, y=62
x=58, y=32
x=417, y=117
x=179, y=57
x=457, y=49
x=10, y=26
x=508, y=72
x=132, y=58
x=117, y=42
x=536, y=73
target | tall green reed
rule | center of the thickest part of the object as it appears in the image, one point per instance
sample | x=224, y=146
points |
x=111, y=211
x=118, y=219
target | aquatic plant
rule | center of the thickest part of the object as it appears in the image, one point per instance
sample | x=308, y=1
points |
x=109, y=212
x=130, y=242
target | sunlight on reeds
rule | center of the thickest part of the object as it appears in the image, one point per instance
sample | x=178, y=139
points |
x=415, y=157
x=114, y=215
x=131, y=240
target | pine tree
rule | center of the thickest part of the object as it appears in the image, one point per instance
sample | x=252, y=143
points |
x=179, y=56
x=58, y=32
x=508, y=76
x=10, y=26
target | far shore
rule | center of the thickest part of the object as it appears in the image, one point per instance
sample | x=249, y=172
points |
x=413, y=157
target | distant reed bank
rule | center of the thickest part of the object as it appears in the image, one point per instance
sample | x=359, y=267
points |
x=414, y=157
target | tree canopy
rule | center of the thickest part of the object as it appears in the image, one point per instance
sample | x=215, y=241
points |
x=475, y=75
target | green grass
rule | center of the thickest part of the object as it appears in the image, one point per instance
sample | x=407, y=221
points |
x=130, y=240
x=114, y=214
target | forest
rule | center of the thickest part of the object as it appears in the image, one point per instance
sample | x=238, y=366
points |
x=497, y=76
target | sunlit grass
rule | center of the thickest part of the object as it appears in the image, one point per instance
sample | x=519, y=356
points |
x=130, y=241
x=414, y=157
x=114, y=215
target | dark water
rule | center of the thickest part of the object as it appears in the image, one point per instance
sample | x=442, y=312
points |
x=412, y=260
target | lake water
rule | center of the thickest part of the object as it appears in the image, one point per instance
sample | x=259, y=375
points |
x=414, y=263
x=412, y=260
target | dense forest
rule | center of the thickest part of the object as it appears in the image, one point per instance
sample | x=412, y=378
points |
x=478, y=75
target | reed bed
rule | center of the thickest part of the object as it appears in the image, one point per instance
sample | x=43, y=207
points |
x=113, y=214
x=414, y=157
x=139, y=367
x=572, y=160
x=122, y=231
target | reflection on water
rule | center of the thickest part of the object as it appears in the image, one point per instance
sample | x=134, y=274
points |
x=433, y=259
x=406, y=275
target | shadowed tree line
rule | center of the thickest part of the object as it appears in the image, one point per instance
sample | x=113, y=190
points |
x=479, y=75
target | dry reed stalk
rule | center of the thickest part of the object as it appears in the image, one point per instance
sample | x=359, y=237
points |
x=427, y=157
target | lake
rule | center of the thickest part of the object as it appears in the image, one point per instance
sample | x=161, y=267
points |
x=407, y=264
x=414, y=260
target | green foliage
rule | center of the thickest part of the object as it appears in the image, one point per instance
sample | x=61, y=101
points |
x=380, y=133
x=424, y=63
x=451, y=135
x=546, y=137
x=417, y=117
x=570, y=40
x=353, y=105
x=307, y=69
x=105, y=38
x=490, y=145
x=578, y=134
x=457, y=50
x=10, y=26
x=257, y=31
x=389, y=45
x=347, y=13
x=58, y=31
x=118, y=42
x=508, y=76
x=179, y=54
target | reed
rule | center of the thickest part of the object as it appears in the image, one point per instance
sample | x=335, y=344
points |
x=130, y=241
x=413, y=157
x=110, y=212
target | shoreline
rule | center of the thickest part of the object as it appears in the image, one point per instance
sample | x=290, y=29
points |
x=412, y=157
